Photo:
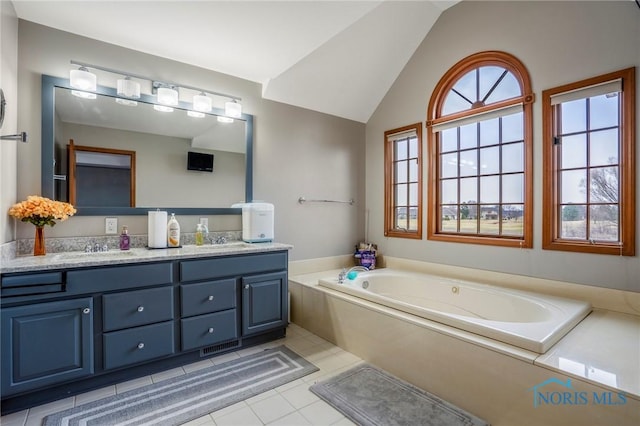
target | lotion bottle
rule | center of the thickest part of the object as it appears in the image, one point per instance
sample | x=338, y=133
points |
x=173, y=232
x=125, y=240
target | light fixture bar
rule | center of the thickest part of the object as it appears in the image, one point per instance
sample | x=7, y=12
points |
x=142, y=77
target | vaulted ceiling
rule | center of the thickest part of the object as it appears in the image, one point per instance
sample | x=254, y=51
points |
x=336, y=57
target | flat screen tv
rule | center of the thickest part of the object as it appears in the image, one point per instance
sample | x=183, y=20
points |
x=199, y=161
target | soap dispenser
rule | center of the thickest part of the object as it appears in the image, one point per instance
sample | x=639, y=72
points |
x=173, y=232
x=199, y=235
x=125, y=240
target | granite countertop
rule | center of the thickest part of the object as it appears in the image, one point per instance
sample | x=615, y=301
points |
x=77, y=259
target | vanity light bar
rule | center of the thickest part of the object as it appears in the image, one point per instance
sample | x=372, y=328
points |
x=155, y=83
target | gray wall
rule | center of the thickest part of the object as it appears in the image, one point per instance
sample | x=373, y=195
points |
x=9, y=84
x=559, y=42
x=295, y=149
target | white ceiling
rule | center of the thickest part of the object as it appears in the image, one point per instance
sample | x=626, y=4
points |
x=336, y=57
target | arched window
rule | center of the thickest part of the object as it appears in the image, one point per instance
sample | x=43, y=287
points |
x=479, y=125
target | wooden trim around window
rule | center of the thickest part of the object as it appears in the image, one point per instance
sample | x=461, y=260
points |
x=389, y=224
x=627, y=161
x=436, y=102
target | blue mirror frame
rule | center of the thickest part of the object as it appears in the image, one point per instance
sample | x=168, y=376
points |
x=49, y=83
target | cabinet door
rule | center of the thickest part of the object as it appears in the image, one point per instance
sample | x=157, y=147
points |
x=264, y=302
x=46, y=343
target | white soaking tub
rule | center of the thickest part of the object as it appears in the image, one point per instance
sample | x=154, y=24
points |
x=524, y=319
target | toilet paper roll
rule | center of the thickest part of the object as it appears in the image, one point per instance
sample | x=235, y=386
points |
x=157, y=229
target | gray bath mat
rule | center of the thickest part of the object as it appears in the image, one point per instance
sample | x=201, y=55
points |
x=180, y=399
x=369, y=396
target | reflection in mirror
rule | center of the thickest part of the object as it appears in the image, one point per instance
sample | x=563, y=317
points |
x=161, y=142
x=100, y=177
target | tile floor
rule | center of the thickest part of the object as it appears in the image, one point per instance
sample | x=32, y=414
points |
x=290, y=404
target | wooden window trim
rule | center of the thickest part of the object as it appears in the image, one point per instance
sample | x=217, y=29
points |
x=515, y=66
x=389, y=223
x=550, y=239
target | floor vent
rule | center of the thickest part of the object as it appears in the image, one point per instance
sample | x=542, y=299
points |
x=219, y=348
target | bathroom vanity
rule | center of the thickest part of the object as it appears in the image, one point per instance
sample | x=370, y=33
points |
x=74, y=322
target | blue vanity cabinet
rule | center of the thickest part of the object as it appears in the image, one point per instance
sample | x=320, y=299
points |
x=262, y=280
x=137, y=326
x=46, y=343
x=71, y=330
x=209, y=314
x=264, y=302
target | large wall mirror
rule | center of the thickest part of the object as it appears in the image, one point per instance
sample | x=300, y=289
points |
x=161, y=141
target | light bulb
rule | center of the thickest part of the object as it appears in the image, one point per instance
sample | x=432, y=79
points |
x=83, y=95
x=82, y=79
x=127, y=102
x=162, y=108
x=202, y=103
x=167, y=96
x=128, y=88
x=233, y=109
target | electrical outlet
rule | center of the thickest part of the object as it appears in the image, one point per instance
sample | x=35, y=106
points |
x=111, y=225
x=204, y=221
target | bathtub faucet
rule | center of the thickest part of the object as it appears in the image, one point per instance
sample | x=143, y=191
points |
x=345, y=273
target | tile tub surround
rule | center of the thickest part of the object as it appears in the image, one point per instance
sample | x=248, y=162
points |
x=489, y=379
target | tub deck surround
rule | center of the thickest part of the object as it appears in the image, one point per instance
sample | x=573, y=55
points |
x=528, y=320
x=66, y=260
x=603, y=349
x=493, y=385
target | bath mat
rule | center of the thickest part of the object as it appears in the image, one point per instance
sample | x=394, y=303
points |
x=180, y=399
x=369, y=396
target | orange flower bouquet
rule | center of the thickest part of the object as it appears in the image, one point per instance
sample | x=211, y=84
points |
x=41, y=211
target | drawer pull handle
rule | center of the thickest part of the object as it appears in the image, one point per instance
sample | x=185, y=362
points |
x=210, y=330
x=140, y=345
x=210, y=298
x=86, y=311
x=140, y=308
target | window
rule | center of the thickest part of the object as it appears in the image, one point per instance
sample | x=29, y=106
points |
x=403, y=182
x=589, y=165
x=480, y=153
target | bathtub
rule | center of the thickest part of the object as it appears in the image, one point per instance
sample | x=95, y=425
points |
x=527, y=320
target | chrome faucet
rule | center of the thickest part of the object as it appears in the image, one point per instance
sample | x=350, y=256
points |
x=221, y=239
x=345, y=272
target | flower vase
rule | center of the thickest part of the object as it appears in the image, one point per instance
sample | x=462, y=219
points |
x=38, y=244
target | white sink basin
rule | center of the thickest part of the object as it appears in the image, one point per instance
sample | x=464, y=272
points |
x=77, y=255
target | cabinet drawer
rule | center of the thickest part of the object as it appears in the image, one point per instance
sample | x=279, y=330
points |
x=119, y=277
x=138, y=344
x=211, y=296
x=32, y=279
x=133, y=308
x=205, y=330
x=28, y=284
x=228, y=266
